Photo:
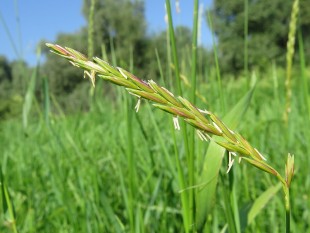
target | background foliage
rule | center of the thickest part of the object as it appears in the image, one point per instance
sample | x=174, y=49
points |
x=267, y=31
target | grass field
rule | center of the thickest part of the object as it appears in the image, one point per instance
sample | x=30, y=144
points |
x=71, y=175
x=111, y=169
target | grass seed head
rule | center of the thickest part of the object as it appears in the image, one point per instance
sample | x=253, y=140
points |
x=289, y=169
x=178, y=107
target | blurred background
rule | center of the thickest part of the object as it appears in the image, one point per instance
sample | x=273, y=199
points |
x=75, y=159
x=26, y=26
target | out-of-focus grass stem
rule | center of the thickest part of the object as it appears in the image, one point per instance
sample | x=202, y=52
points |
x=303, y=75
x=186, y=210
x=191, y=156
x=218, y=73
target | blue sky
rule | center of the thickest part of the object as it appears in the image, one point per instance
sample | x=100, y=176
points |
x=45, y=19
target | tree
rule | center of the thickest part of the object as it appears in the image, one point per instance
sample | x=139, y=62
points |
x=5, y=70
x=63, y=79
x=21, y=74
x=122, y=23
x=158, y=41
x=10, y=95
x=5, y=77
x=268, y=26
x=116, y=22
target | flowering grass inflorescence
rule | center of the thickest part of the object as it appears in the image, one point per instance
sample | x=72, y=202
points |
x=205, y=122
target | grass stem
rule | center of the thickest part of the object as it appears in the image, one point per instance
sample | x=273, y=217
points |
x=287, y=211
x=186, y=203
x=218, y=74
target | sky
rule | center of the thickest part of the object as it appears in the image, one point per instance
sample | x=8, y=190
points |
x=24, y=23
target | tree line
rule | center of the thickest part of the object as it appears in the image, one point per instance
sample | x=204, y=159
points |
x=120, y=35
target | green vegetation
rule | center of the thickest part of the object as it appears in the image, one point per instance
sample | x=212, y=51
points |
x=78, y=159
x=266, y=31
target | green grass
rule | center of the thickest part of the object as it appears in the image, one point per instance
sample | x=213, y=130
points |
x=71, y=176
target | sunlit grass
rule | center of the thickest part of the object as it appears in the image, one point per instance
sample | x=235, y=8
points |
x=112, y=170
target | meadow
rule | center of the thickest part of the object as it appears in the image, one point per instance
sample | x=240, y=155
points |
x=112, y=169
x=70, y=173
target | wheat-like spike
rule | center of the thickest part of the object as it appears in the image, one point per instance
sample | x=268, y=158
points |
x=166, y=101
x=289, y=58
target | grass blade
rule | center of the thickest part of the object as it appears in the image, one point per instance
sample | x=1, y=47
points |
x=187, y=199
x=191, y=158
x=30, y=93
x=218, y=73
x=205, y=196
x=262, y=201
x=305, y=89
x=28, y=98
x=7, y=30
x=46, y=100
x=194, y=53
x=8, y=208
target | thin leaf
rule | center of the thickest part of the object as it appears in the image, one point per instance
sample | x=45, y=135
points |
x=262, y=201
x=28, y=98
x=46, y=100
x=8, y=208
x=205, y=197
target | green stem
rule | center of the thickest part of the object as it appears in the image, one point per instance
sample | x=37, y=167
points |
x=174, y=48
x=194, y=53
x=218, y=73
x=191, y=159
x=286, y=191
x=131, y=163
x=287, y=209
x=131, y=157
x=304, y=82
x=91, y=29
x=187, y=201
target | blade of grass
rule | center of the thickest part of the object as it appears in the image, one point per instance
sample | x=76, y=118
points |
x=161, y=141
x=205, y=196
x=191, y=157
x=108, y=209
x=152, y=200
x=262, y=201
x=125, y=194
x=180, y=173
x=174, y=49
x=46, y=100
x=132, y=179
x=187, y=204
x=234, y=182
x=90, y=47
x=227, y=203
x=217, y=66
x=6, y=28
x=29, y=97
x=305, y=88
x=8, y=208
x=90, y=41
x=194, y=53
